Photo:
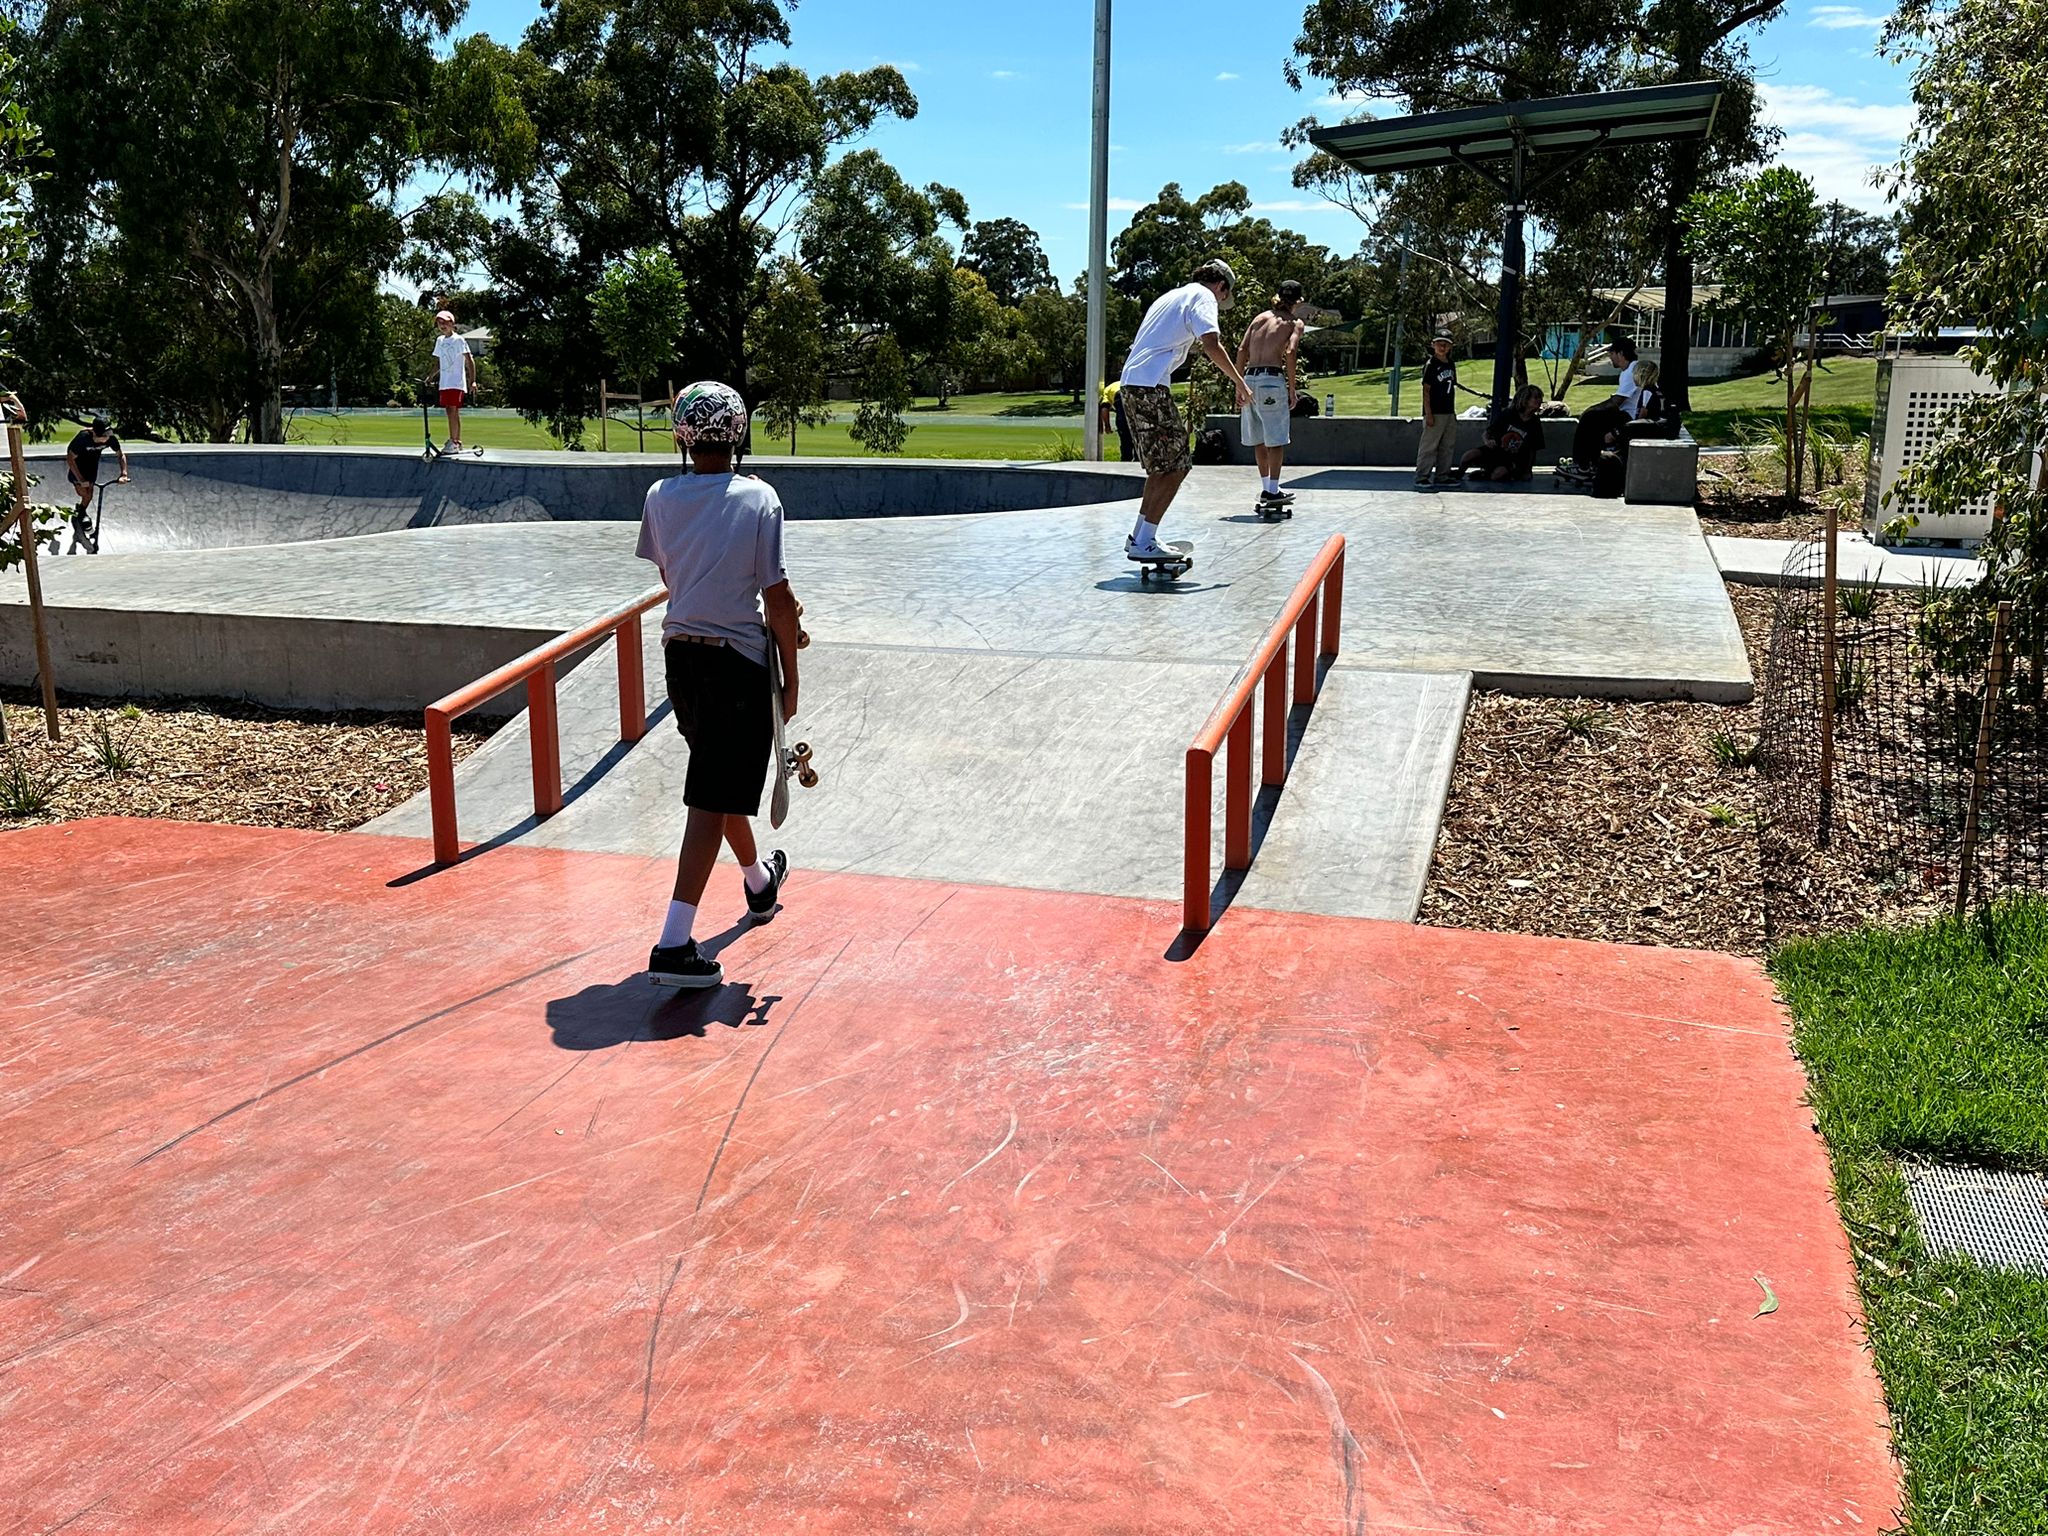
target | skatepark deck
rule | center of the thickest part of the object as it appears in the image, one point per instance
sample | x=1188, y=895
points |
x=338, y=1200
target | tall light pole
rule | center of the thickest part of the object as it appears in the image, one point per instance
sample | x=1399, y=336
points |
x=1098, y=240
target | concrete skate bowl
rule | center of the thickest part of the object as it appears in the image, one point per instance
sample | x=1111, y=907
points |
x=197, y=496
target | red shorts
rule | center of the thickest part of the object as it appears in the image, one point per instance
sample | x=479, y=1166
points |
x=451, y=399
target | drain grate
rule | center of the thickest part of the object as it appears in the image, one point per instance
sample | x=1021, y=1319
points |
x=1998, y=1219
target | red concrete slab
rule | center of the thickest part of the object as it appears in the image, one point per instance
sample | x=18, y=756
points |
x=327, y=1205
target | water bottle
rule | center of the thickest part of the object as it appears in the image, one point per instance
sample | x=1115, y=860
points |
x=1329, y=405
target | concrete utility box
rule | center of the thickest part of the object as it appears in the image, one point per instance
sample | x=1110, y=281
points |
x=1914, y=398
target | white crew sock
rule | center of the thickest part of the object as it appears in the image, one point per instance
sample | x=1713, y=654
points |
x=682, y=917
x=1138, y=529
x=757, y=875
x=1270, y=482
x=1147, y=536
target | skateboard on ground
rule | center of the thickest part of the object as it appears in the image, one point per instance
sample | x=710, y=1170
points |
x=1176, y=558
x=1273, y=511
x=790, y=762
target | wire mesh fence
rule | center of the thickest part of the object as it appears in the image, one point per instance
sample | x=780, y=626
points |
x=1917, y=794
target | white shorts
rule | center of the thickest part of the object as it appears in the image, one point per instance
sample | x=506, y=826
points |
x=1266, y=423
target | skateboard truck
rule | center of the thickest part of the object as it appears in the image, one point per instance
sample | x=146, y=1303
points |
x=797, y=761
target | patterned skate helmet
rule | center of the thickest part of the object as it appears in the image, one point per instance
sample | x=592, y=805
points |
x=709, y=413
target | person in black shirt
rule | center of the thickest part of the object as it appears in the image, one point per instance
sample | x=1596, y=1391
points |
x=1439, y=449
x=82, y=466
x=1513, y=438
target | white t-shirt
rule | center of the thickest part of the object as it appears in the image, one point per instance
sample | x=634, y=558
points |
x=1174, y=323
x=1630, y=391
x=451, y=350
x=718, y=542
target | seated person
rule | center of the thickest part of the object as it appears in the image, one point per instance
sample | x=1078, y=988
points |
x=1616, y=411
x=1514, y=436
x=1651, y=418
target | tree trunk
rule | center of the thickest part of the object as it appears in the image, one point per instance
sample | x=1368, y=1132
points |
x=1675, y=364
x=266, y=408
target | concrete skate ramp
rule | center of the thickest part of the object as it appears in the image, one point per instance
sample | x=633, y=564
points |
x=205, y=496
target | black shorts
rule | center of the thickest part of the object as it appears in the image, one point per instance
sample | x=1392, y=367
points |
x=721, y=704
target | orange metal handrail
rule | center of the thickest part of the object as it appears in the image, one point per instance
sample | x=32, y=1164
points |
x=1322, y=586
x=537, y=670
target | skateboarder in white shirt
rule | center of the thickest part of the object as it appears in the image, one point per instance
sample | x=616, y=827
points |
x=717, y=536
x=1171, y=328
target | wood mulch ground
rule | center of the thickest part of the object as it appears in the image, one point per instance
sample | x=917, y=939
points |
x=212, y=760
x=1592, y=819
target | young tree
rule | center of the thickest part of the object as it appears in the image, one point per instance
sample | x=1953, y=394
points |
x=639, y=307
x=883, y=385
x=244, y=152
x=1761, y=241
x=1973, y=249
x=1009, y=258
x=21, y=167
x=788, y=347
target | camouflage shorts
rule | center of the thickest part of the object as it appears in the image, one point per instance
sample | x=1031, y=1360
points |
x=1159, y=427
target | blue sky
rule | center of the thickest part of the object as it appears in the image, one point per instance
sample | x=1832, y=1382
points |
x=1004, y=93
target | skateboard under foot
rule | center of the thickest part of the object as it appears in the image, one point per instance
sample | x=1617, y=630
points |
x=1273, y=511
x=1176, y=558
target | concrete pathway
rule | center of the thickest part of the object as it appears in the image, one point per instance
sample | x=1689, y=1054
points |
x=1762, y=562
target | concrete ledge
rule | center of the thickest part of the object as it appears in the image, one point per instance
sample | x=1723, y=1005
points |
x=1761, y=563
x=1380, y=439
x=286, y=662
x=1663, y=471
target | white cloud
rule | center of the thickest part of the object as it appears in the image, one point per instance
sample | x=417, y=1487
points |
x=1003, y=74
x=1116, y=205
x=1226, y=75
x=908, y=66
x=1297, y=205
x=1836, y=141
x=1843, y=18
x=1252, y=147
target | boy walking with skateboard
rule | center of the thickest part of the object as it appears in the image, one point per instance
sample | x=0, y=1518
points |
x=717, y=536
x=1266, y=357
x=1172, y=326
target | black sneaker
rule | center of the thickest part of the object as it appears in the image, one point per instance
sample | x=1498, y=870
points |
x=680, y=965
x=761, y=903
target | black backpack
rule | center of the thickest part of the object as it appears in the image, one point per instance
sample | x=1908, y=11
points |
x=1211, y=446
x=1610, y=476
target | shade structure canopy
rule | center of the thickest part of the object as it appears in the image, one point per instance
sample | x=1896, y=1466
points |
x=1498, y=143
x=1553, y=125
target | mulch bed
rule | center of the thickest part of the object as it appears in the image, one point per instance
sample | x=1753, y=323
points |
x=214, y=760
x=1592, y=819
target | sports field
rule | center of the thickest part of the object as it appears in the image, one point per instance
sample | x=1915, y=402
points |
x=1047, y=425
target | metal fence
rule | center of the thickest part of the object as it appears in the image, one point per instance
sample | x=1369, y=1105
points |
x=1913, y=781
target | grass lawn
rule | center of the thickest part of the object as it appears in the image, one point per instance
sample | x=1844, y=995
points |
x=1032, y=424
x=930, y=438
x=1934, y=1042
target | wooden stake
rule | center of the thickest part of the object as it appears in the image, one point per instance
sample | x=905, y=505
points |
x=52, y=725
x=1980, y=778
x=1827, y=685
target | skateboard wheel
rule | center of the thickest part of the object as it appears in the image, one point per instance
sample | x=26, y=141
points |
x=801, y=751
x=803, y=638
x=808, y=778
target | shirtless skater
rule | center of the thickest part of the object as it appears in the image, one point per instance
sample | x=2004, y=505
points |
x=1266, y=357
x=1172, y=326
x=717, y=536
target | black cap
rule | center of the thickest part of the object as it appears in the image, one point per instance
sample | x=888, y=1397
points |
x=101, y=425
x=1290, y=292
